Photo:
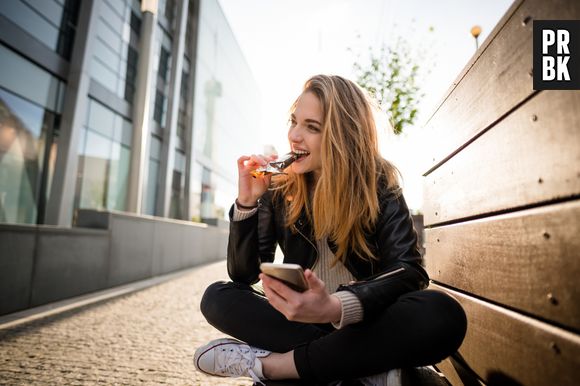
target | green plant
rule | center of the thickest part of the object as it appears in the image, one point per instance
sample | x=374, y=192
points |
x=391, y=77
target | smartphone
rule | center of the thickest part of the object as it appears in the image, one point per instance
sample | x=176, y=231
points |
x=291, y=274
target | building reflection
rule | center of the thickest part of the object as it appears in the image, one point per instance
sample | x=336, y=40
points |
x=70, y=115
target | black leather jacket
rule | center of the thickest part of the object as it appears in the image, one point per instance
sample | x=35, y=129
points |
x=398, y=269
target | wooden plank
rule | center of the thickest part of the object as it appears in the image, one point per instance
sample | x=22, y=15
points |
x=532, y=156
x=527, y=260
x=499, y=80
x=504, y=347
x=456, y=374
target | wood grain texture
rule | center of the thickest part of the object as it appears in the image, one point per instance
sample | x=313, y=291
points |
x=531, y=156
x=456, y=374
x=504, y=347
x=527, y=260
x=497, y=81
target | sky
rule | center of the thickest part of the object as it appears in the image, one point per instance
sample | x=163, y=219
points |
x=287, y=41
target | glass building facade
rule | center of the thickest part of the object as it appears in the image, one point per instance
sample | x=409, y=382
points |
x=108, y=106
x=225, y=108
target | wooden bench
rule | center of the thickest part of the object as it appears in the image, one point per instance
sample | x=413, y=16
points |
x=502, y=211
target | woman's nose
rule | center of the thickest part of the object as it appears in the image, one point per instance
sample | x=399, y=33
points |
x=294, y=134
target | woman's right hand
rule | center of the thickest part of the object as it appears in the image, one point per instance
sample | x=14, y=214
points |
x=251, y=188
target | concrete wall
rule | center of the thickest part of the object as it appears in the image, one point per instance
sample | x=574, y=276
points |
x=17, y=248
x=42, y=264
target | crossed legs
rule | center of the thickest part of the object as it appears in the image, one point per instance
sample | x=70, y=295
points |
x=420, y=328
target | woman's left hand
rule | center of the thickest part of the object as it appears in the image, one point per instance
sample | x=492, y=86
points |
x=314, y=305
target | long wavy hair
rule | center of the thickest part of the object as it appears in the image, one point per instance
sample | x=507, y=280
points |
x=343, y=204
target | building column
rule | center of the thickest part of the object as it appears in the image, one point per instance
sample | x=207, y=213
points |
x=189, y=145
x=168, y=148
x=141, y=108
x=61, y=199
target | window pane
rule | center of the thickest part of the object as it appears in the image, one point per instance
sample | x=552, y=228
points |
x=155, y=150
x=164, y=57
x=152, y=187
x=132, y=59
x=112, y=18
x=127, y=134
x=47, y=8
x=118, y=177
x=195, y=193
x=30, y=21
x=96, y=161
x=179, y=161
x=116, y=5
x=108, y=35
x=176, y=207
x=136, y=6
x=104, y=161
x=176, y=204
x=106, y=55
x=159, y=108
x=103, y=74
x=101, y=119
x=40, y=87
x=135, y=23
x=21, y=141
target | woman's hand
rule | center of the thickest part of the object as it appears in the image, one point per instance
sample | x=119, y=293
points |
x=250, y=189
x=312, y=306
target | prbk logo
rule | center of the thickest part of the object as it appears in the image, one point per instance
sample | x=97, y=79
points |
x=556, y=54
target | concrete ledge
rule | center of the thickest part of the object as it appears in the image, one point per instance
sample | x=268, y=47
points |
x=16, y=262
x=43, y=264
x=40, y=264
x=146, y=246
x=69, y=262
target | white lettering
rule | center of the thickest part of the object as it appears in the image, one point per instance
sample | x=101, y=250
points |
x=548, y=39
x=563, y=40
x=548, y=71
x=563, y=68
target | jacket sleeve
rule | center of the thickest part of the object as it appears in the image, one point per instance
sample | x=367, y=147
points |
x=251, y=242
x=399, y=260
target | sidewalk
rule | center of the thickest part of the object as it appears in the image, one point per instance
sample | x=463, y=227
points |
x=144, y=338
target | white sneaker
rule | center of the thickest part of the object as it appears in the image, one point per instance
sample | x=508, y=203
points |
x=390, y=378
x=230, y=358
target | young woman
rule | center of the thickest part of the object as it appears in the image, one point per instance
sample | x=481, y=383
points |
x=340, y=214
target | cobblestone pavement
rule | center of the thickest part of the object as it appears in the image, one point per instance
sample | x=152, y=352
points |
x=144, y=338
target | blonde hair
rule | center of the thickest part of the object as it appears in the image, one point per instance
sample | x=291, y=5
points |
x=345, y=203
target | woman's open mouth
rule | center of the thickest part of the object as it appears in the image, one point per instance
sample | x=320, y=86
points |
x=301, y=154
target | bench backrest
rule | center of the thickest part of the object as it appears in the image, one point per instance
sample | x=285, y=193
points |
x=502, y=210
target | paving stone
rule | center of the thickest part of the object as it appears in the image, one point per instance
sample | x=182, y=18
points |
x=144, y=338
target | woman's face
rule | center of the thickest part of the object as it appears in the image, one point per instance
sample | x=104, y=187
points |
x=305, y=134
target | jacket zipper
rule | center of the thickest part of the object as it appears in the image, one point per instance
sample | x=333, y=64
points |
x=386, y=274
x=313, y=246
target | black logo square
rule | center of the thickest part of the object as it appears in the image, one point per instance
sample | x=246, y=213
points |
x=556, y=55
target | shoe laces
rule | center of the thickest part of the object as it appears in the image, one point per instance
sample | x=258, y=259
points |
x=237, y=361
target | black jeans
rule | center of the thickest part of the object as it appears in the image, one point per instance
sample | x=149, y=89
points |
x=420, y=328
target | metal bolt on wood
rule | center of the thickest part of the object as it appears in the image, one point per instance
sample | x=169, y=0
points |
x=552, y=299
x=526, y=20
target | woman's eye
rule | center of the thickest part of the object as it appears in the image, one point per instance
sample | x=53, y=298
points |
x=313, y=128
